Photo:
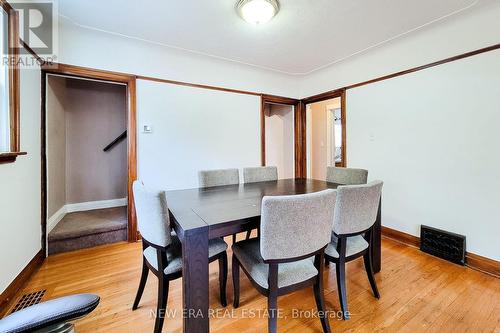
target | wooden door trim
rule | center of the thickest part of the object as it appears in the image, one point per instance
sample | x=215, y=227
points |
x=339, y=93
x=112, y=77
x=264, y=99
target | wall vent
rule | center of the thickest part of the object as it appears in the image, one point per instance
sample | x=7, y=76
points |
x=443, y=244
x=28, y=300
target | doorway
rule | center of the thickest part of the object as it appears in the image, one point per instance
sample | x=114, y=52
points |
x=325, y=135
x=280, y=121
x=88, y=158
x=279, y=126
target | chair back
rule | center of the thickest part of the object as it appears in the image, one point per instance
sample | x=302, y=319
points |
x=209, y=178
x=356, y=208
x=294, y=226
x=260, y=174
x=346, y=176
x=152, y=215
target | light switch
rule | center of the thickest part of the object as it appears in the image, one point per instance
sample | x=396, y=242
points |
x=147, y=129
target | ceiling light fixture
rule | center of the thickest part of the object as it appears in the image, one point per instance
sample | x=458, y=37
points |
x=257, y=11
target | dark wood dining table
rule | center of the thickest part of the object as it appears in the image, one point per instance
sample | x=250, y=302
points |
x=201, y=214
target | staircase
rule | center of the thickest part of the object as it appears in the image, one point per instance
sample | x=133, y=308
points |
x=81, y=230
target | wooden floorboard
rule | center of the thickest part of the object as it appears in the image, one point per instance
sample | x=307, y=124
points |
x=418, y=293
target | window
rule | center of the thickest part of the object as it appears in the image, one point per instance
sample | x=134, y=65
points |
x=9, y=84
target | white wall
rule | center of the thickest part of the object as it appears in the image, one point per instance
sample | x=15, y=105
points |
x=433, y=137
x=194, y=129
x=458, y=34
x=90, y=48
x=20, y=188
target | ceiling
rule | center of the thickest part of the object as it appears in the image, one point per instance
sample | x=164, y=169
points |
x=305, y=36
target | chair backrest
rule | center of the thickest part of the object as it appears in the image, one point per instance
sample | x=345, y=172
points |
x=346, y=176
x=356, y=208
x=293, y=226
x=152, y=215
x=260, y=174
x=209, y=178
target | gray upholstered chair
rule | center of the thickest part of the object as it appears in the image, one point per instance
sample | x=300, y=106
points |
x=293, y=230
x=260, y=174
x=54, y=316
x=162, y=249
x=346, y=176
x=355, y=214
x=221, y=177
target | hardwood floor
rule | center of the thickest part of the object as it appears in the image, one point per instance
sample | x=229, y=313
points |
x=418, y=293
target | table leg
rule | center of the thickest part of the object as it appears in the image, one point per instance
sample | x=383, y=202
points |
x=376, y=249
x=195, y=282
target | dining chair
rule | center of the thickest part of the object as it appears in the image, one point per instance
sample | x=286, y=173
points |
x=346, y=176
x=259, y=174
x=294, y=229
x=162, y=252
x=219, y=177
x=355, y=214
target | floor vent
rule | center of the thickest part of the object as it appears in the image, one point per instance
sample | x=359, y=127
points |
x=29, y=299
x=443, y=244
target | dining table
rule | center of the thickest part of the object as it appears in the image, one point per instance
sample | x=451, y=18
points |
x=200, y=214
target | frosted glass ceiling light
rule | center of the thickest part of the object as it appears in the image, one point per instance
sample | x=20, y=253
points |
x=257, y=11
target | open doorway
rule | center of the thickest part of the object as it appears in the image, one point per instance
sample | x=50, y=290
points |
x=85, y=80
x=279, y=129
x=325, y=135
x=86, y=162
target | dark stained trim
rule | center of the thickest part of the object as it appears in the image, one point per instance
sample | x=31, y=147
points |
x=20, y=280
x=130, y=81
x=196, y=85
x=311, y=99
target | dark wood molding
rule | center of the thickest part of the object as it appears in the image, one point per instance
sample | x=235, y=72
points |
x=401, y=237
x=343, y=111
x=9, y=294
x=30, y=51
x=474, y=261
x=324, y=96
x=196, y=85
x=483, y=264
x=11, y=156
x=13, y=46
x=320, y=97
x=262, y=132
x=300, y=141
x=90, y=73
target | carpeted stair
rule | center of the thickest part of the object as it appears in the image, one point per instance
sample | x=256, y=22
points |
x=87, y=229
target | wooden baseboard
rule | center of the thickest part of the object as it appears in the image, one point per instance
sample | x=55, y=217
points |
x=16, y=285
x=474, y=261
x=401, y=237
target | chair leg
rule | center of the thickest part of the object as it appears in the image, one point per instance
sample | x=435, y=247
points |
x=340, y=270
x=223, y=278
x=272, y=299
x=236, y=282
x=369, y=271
x=249, y=233
x=161, y=305
x=142, y=284
x=319, y=295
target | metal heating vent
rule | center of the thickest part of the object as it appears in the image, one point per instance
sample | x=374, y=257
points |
x=29, y=300
x=443, y=244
